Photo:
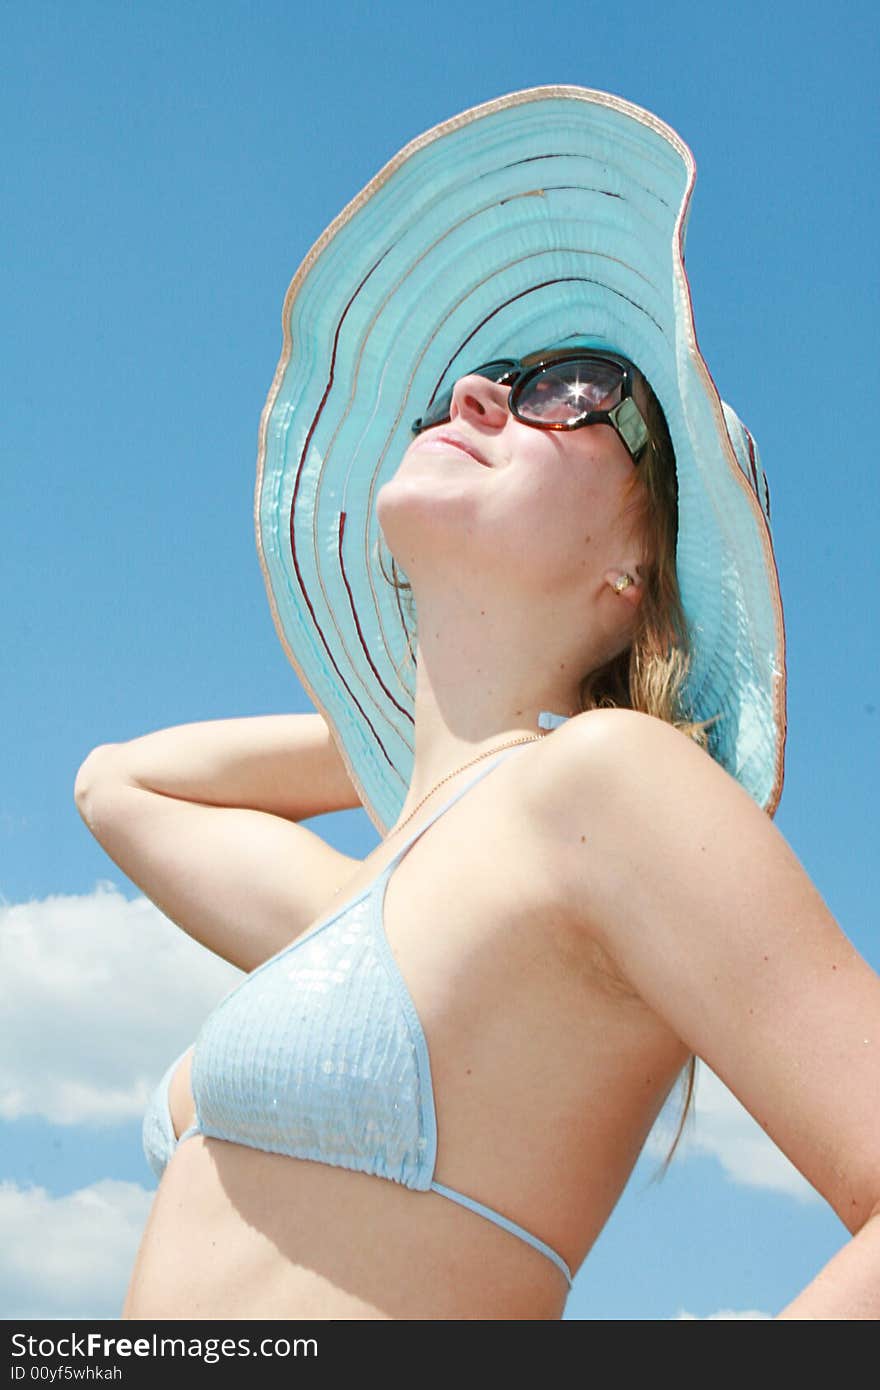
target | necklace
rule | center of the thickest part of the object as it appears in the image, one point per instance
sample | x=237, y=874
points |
x=526, y=738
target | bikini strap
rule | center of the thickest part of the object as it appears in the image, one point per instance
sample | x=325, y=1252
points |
x=506, y=1224
x=478, y=777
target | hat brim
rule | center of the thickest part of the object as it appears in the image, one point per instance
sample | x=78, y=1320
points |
x=547, y=213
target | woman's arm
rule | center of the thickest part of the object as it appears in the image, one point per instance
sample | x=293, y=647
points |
x=710, y=916
x=200, y=818
x=286, y=764
x=849, y=1285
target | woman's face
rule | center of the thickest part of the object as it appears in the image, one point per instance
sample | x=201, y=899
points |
x=550, y=502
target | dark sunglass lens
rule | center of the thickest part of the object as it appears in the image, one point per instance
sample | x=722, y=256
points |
x=438, y=413
x=496, y=371
x=567, y=390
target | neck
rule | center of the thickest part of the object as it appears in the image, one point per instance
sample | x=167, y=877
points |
x=468, y=705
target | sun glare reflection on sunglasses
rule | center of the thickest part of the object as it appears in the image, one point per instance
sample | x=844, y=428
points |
x=561, y=390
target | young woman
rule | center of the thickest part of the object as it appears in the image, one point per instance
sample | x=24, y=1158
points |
x=567, y=722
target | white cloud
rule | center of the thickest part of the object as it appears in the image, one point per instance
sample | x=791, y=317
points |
x=71, y=1256
x=97, y=995
x=726, y=1315
x=720, y=1127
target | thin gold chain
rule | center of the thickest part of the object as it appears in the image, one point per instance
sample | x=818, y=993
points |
x=528, y=738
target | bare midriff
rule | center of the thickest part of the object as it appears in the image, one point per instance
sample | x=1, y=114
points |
x=240, y=1234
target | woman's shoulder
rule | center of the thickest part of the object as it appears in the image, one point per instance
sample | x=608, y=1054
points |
x=615, y=777
x=617, y=741
x=614, y=722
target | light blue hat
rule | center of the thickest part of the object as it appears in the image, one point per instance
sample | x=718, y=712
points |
x=547, y=214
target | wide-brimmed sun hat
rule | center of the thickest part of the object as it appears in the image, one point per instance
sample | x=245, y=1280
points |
x=548, y=214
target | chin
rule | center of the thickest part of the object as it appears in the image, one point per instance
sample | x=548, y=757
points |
x=419, y=501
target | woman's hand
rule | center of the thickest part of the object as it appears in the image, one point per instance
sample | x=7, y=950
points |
x=709, y=915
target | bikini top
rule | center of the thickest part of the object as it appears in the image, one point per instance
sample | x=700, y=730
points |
x=319, y=1054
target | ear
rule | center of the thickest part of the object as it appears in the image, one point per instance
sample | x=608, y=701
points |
x=631, y=593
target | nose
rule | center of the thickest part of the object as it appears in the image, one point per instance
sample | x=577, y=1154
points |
x=479, y=399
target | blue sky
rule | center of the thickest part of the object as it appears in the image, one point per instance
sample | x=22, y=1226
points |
x=165, y=170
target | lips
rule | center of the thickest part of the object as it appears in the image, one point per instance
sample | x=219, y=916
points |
x=462, y=444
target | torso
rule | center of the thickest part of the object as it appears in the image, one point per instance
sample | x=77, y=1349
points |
x=548, y=1075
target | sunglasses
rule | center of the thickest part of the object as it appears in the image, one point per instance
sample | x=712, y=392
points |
x=561, y=389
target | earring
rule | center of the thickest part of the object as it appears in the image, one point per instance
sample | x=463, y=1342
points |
x=622, y=583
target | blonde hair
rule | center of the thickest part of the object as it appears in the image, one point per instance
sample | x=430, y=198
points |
x=650, y=674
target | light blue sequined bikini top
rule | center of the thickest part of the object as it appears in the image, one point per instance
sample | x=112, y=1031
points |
x=319, y=1053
